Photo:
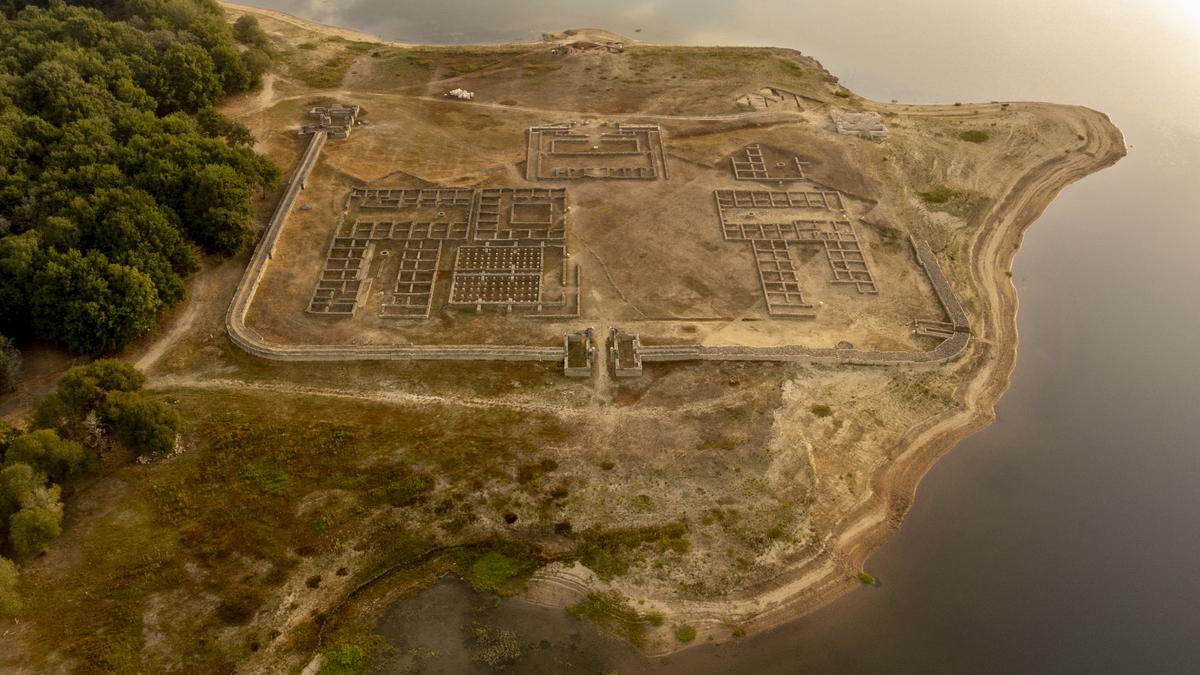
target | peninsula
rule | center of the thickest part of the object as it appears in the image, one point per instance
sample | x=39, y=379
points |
x=665, y=336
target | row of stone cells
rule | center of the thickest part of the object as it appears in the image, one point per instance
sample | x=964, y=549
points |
x=423, y=219
x=774, y=222
x=497, y=275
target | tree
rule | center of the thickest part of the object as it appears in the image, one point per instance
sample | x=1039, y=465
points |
x=83, y=390
x=17, y=483
x=189, y=79
x=216, y=125
x=87, y=165
x=10, y=365
x=47, y=453
x=38, y=523
x=217, y=209
x=10, y=600
x=143, y=424
x=249, y=32
x=89, y=305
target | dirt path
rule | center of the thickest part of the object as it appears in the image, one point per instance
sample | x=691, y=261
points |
x=203, y=292
x=401, y=397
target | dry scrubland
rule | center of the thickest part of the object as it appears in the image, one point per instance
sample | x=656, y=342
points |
x=726, y=497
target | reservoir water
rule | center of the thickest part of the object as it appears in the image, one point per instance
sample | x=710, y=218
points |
x=1065, y=538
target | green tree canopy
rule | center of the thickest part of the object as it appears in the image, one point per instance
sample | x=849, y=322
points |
x=107, y=181
x=17, y=483
x=31, y=529
x=90, y=305
x=47, y=453
x=143, y=424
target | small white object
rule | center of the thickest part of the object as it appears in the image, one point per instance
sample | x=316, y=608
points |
x=461, y=94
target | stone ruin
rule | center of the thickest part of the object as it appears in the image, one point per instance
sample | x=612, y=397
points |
x=770, y=98
x=763, y=163
x=624, y=352
x=579, y=352
x=866, y=125
x=507, y=246
x=776, y=222
x=574, y=151
x=336, y=120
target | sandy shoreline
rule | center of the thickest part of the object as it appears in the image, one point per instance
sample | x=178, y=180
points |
x=816, y=581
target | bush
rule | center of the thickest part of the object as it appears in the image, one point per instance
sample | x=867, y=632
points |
x=10, y=600
x=17, y=483
x=47, y=453
x=867, y=579
x=343, y=659
x=821, y=410
x=38, y=523
x=143, y=424
x=84, y=388
x=685, y=633
x=974, y=136
x=938, y=195
x=493, y=570
x=249, y=32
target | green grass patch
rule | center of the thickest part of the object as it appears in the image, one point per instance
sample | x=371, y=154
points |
x=499, y=573
x=328, y=73
x=611, y=612
x=867, y=579
x=609, y=553
x=938, y=195
x=343, y=659
x=685, y=633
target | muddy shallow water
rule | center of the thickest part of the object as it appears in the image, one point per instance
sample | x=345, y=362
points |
x=449, y=628
x=1064, y=537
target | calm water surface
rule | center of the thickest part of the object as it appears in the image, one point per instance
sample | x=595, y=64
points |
x=1066, y=537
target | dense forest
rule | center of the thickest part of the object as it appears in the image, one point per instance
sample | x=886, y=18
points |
x=115, y=172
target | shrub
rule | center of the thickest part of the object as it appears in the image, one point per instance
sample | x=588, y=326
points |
x=938, y=195
x=48, y=453
x=685, y=633
x=493, y=570
x=974, y=136
x=343, y=659
x=38, y=523
x=17, y=483
x=821, y=410
x=249, y=32
x=143, y=424
x=84, y=388
x=867, y=579
x=10, y=600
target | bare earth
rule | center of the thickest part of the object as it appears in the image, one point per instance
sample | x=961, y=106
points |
x=785, y=476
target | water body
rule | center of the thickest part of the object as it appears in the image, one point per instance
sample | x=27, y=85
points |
x=1066, y=537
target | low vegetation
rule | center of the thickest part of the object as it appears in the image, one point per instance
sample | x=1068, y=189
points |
x=95, y=408
x=611, y=612
x=685, y=633
x=974, y=136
